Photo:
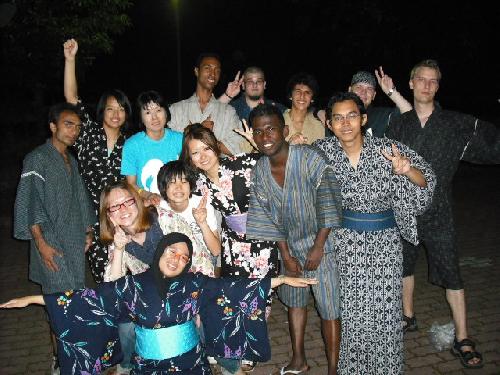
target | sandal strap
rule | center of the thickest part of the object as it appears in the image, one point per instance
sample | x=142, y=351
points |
x=464, y=342
x=467, y=356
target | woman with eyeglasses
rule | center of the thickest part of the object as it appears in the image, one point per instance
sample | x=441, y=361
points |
x=132, y=233
x=162, y=302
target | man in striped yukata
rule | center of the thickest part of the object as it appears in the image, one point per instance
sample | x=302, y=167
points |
x=296, y=201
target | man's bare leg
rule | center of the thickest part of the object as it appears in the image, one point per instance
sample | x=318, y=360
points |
x=456, y=300
x=331, y=337
x=297, y=319
x=408, y=288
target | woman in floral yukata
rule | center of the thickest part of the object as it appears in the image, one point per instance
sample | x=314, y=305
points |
x=226, y=181
x=162, y=302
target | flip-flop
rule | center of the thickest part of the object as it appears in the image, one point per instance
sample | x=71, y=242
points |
x=283, y=371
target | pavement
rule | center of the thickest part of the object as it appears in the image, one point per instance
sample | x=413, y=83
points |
x=24, y=334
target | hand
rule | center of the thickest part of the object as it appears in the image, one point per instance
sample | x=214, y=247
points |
x=120, y=239
x=88, y=240
x=208, y=123
x=16, y=303
x=384, y=80
x=152, y=199
x=234, y=87
x=200, y=212
x=299, y=282
x=400, y=163
x=70, y=49
x=48, y=253
x=292, y=266
x=298, y=139
x=314, y=256
x=246, y=133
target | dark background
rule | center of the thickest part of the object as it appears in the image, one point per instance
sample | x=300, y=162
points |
x=330, y=39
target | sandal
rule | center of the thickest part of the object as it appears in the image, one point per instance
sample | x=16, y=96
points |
x=466, y=356
x=409, y=324
x=247, y=366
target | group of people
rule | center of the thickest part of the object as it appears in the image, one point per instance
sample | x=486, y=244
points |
x=189, y=224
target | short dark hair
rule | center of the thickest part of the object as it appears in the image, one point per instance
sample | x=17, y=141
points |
x=342, y=97
x=266, y=110
x=151, y=96
x=56, y=110
x=122, y=100
x=204, y=55
x=171, y=171
x=199, y=132
x=302, y=78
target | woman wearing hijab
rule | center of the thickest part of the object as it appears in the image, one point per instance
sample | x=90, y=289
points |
x=162, y=303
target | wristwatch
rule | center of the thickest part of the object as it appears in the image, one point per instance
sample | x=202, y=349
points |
x=389, y=93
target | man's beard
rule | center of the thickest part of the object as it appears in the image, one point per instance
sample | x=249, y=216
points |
x=255, y=97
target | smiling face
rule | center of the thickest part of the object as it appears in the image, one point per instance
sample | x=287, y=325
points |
x=153, y=117
x=269, y=135
x=346, y=122
x=202, y=156
x=178, y=191
x=174, y=259
x=365, y=91
x=301, y=96
x=208, y=73
x=114, y=114
x=122, y=209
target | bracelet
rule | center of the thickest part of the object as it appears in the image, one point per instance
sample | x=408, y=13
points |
x=140, y=191
x=391, y=91
x=229, y=96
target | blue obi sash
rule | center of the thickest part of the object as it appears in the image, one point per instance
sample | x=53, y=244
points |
x=368, y=222
x=165, y=343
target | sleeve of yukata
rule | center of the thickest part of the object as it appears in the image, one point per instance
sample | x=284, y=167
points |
x=235, y=310
x=410, y=200
x=328, y=200
x=484, y=144
x=260, y=226
x=30, y=205
x=178, y=119
x=85, y=325
x=227, y=135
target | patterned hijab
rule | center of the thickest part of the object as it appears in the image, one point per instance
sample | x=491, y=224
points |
x=163, y=283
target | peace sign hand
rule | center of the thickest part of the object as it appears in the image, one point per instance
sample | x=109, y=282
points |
x=120, y=239
x=234, y=87
x=200, y=212
x=246, y=133
x=401, y=165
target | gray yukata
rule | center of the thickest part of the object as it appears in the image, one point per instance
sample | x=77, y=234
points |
x=56, y=199
x=309, y=200
x=224, y=116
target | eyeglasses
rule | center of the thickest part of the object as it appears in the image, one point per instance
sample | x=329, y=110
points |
x=174, y=253
x=258, y=82
x=349, y=117
x=129, y=202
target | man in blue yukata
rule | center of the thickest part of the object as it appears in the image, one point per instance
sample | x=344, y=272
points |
x=296, y=201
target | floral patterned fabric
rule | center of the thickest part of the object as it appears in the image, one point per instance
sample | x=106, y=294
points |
x=240, y=256
x=85, y=321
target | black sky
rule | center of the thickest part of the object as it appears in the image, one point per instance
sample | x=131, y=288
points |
x=330, y=39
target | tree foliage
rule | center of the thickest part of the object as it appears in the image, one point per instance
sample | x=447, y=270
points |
x=32, y=40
